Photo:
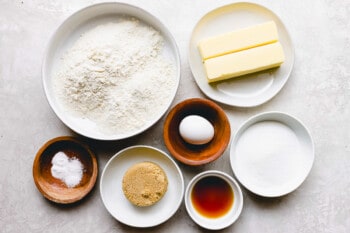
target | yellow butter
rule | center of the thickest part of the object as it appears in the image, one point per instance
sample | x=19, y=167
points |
x=244, y=62
x=235, y=41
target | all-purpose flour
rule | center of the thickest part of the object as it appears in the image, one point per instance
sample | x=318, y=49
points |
x=116, y=76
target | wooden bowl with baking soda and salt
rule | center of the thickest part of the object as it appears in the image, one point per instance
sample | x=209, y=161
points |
x=65, y=170
x=196, y=131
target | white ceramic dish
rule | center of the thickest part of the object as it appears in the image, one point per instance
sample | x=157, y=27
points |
x=271, y=154
x=116, y=203
x=250, y=90
x=220, y=222
x=69, y=32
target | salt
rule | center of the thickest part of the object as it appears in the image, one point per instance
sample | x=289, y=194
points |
x=68, y=170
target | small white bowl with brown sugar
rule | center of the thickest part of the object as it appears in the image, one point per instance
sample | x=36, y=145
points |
x=125, y=209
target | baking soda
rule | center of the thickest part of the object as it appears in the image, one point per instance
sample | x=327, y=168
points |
x=68, y=170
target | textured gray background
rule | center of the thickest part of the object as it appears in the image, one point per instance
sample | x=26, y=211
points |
x=318, y=93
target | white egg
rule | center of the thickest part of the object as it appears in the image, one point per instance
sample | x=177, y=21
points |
x=196, y=130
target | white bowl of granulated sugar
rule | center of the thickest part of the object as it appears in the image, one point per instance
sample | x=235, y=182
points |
x=111, y=71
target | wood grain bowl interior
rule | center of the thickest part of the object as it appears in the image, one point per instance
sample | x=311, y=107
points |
x=55, y=189
x=197, y=154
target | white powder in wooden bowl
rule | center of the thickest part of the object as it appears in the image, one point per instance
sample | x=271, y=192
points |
x=117, y=76
x=68, y=170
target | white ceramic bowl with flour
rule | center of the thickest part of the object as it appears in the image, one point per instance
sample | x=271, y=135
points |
x=111, y=71
x=271, y=154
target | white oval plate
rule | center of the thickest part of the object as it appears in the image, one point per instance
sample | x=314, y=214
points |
x=271, y=154
x=70, y=30
x=116, y=203
x=249, y=90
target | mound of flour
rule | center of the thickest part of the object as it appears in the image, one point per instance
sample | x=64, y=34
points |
x=116, y=76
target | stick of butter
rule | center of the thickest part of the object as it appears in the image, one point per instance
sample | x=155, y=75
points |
x=244, y=62
x=235, y=41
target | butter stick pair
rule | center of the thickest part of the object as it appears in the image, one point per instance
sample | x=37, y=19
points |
x=241, y=52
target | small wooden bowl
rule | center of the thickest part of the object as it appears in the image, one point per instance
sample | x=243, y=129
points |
x=197, y=154
x=55, y=189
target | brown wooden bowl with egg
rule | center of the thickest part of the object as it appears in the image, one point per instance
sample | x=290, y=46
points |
x=188, y=153
x=56, y=189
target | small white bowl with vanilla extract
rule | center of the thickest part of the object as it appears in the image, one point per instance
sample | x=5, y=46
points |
x=213, y=200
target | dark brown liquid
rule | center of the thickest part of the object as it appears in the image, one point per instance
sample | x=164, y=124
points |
x=212, y=197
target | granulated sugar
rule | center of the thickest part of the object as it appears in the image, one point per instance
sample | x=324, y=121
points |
x=269, y=157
